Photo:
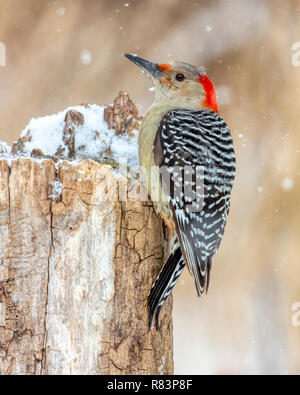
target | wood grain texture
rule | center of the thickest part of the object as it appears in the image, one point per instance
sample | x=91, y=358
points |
x=75, y=272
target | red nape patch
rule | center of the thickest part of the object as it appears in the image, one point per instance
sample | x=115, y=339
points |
x=210, y=101
x=164, y=67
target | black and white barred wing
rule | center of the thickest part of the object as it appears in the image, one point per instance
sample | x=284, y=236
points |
x=195, y=154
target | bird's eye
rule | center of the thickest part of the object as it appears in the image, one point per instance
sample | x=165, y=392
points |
x=180, y=77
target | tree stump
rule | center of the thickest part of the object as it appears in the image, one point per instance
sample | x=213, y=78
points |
x=75, y=272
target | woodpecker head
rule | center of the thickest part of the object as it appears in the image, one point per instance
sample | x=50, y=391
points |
x=180, y=84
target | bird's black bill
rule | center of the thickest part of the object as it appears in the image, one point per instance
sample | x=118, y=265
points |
x=149, y=67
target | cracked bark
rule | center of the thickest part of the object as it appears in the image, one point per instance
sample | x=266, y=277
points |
x=75, y=273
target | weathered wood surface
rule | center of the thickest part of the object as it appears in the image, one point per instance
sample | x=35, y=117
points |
x=75, y=272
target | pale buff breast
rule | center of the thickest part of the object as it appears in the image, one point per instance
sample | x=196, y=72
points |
x=146, y=139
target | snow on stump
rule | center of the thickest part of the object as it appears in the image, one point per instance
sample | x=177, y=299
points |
x=76, y=263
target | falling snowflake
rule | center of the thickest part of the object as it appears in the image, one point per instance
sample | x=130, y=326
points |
x=287, y=184
x=60, y=11
x=86, y=57
x=224, y=95
x=260, y=189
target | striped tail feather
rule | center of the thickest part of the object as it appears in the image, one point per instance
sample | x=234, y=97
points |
x=164, y=284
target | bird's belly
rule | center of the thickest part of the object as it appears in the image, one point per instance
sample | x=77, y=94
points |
x=149, y=170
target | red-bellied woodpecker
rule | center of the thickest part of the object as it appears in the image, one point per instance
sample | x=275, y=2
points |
x=183, y=135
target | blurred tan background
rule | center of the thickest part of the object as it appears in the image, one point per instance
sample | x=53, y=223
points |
x=62, y=53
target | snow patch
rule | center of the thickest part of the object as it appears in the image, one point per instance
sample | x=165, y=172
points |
x=5, y=150
x=93, y=139
x=57, y=189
